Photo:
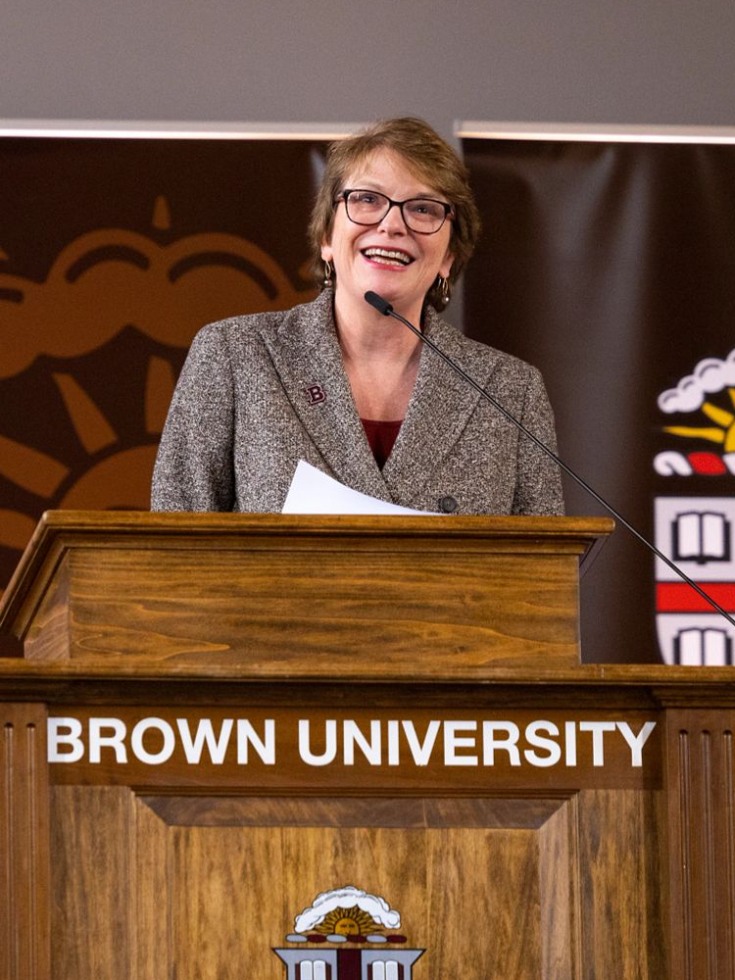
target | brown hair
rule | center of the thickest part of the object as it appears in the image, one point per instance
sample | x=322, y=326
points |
x=430, y=158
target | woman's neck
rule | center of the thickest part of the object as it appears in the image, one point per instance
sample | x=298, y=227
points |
x=365, y=333
x=381, y=360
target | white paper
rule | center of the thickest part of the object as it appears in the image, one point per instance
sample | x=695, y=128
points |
x=313, y=492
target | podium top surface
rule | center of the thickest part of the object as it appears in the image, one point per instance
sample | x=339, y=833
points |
x=62, y=531
x=299, y=596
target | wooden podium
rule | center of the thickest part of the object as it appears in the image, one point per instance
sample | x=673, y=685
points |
x=218, y=720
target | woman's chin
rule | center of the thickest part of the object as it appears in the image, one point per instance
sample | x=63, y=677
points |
x=396, y=293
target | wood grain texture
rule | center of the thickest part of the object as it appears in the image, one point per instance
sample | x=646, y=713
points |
x=609, y=901
x=94, y=871
x=701, y=775
x=334, y=811
x=623, y=894
x=24, y=844
x=154, y=927
x=301, y=595
x=546, y=874
x=197, y=900
x=508, y=888
x=560, y=893
x=316, y=611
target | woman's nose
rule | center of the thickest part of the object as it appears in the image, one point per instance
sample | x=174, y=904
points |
x=393, y=220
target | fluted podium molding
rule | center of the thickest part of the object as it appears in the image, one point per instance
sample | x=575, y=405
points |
x=24, y=852
x=701, y=773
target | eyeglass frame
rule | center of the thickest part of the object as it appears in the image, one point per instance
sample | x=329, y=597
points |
x=343, y=195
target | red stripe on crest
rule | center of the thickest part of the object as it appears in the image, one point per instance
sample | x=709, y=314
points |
x=678, y=597
x=708, y=464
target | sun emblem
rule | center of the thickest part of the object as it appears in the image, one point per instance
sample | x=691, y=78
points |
x=107, y=470
x=347, y=922
x=709, y=390
x=723, y=432
x=89, y=357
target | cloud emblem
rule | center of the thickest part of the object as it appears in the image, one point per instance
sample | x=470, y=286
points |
x=709, y=377
x=347, y=897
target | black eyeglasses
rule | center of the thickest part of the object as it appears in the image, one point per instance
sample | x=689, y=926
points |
x=423, y=215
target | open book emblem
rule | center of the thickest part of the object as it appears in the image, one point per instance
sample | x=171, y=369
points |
x=701, y=536
x=696, y=532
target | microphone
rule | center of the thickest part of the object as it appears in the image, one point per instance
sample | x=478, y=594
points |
x=383, y=306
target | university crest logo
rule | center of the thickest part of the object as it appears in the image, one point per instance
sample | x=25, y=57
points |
x=694, y=531
x=348, y=934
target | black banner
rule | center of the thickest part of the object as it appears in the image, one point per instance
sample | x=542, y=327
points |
x=611, y=266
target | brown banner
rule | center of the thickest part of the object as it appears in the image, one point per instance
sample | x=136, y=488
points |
x=113, y=252
x=610, y=265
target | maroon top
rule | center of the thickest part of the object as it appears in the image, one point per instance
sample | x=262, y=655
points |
x=381, y=436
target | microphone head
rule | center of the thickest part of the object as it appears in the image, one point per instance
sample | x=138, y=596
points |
x=380, y=304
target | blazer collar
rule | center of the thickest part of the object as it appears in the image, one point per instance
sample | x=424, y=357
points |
x=440, y=408
x=305, y=352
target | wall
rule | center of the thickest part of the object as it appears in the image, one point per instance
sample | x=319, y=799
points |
x=652, y=61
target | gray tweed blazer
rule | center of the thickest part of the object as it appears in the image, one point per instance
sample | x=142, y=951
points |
x=258, y=393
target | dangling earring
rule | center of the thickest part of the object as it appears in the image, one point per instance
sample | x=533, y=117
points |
x=443, y=285
x=327, y=281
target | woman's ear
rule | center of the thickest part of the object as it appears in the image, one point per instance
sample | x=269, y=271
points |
x=446, y=266
x=326, y=251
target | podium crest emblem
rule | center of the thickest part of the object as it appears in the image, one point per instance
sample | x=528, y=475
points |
x=348, y=934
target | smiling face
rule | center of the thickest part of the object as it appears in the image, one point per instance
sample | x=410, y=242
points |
x=388, y=258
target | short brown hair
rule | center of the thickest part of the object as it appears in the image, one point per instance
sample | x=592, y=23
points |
x=429, y=157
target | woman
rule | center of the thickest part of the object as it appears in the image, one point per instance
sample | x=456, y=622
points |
x=353, y=392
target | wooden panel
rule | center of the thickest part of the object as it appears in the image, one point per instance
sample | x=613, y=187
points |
x=110, y=884
x=24, y=844
x=407, y=813
x=167, y=865
x=154, y=930
x=94, y=874
x=49, y=636
x=385, y=751
x=515, y=887
x=196, y=895
x=279, y=612
x=606, y=900
x=557, y=889
x=701, y=776
x=457, y=889
x=620, y=840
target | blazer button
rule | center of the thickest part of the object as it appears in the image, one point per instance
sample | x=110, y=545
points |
x=448, y=505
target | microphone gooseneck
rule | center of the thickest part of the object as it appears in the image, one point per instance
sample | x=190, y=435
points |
x=383, y=306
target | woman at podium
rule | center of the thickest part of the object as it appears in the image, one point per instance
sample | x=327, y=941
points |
x=339, y=384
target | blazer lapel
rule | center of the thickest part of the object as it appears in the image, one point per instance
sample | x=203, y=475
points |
x=305, y=352
x=439, y=410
